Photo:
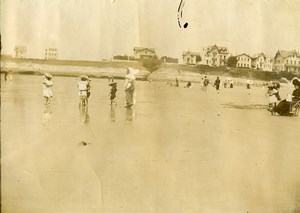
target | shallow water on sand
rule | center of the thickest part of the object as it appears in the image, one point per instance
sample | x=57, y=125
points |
x=177, y=150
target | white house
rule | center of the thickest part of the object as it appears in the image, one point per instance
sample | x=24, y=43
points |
x=293, y=63
x=243, y=60
x=261, y=61
x=286, y=61
x=215, y=56
x=51, y=54
x=191, y=57
x=268, y=64
x=20, y=51
x=144, y=53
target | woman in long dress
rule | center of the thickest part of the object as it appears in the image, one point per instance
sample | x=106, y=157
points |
x=283, y=108
x=130, y=87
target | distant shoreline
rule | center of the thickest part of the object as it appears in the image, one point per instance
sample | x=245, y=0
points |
x=116, y=69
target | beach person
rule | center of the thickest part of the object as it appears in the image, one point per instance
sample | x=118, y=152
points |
x=5, y=76
x=113, y=91
x=217, y=83
x=276, y=86
x=272, y=97
x=231, y=84
x=47, y=85
x=188, y=85
x=248, y=82
x=177, y=82
x=205, y=83
x=84, y=89
x=130, y=87
x=283, y=108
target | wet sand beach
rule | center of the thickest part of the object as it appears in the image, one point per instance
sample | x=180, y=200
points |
x=177, y=150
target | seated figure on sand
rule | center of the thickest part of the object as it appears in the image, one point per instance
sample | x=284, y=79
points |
x=291, y=104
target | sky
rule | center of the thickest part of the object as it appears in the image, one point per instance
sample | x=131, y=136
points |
x=98, y=29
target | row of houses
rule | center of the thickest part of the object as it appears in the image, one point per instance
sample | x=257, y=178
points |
x=50, y=53
x=214, y=56
x=218, y=56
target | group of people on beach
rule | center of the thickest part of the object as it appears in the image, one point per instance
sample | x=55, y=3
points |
x=287, y=106
x=84, y=88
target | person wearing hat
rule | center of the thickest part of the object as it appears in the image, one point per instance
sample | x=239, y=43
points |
x=283, y=108
x=205, y=83
x=113, y=92
x=217, y=83
x=47, y=85
x=130, y=87
x=84, y=89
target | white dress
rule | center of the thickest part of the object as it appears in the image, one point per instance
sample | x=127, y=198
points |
x=47, y=84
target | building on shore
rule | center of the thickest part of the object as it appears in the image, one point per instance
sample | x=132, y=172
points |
x=268, y=64
x=287, y=61
x=20, y=51
x=243, y=60
x=191, y=58
x=261, y=61
x=166, y=59
x=144, y=53
x=51, y=54
x=215, y=56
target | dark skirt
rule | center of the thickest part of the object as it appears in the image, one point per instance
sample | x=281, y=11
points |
x=283, y=108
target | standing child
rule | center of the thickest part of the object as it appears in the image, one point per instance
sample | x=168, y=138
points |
x=205, y=83
x=113, y=92
x=47, y=85
x=272, y=97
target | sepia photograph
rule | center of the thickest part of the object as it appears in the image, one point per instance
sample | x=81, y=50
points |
x=150, y=106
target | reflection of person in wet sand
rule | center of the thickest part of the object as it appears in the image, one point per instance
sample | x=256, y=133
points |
x=47, y=85
x=47, y=114
x=113, y=113
x=130, y=87
x=130, y=114
x=84, y=114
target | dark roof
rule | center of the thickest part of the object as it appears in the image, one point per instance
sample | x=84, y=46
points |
x=287, y=53
x=258, y=55
x=138, y=49
x=220, y=49
x=244, y=54
x=190, y=53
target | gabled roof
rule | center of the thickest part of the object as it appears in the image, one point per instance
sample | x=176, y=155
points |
x=190, y=53
x=257, y=55
x=220, y=49
x=287, y=53
x=138, y=49
x=244, y=54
